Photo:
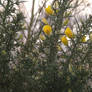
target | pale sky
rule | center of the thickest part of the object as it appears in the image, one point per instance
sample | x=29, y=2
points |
x=28, y=4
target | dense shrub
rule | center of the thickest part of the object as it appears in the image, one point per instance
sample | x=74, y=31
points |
x=54, y=56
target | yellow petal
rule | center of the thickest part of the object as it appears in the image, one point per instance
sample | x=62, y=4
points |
x=49, y=10
x=69, y=33
x=64, y=40
x=47, y=29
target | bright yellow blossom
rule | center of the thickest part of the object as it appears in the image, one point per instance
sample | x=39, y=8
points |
x=42, y=37
x=47, y=29
x=49, y=10
x=64, y=40
x=83, y=39
x=44, y=21
x=69, y=33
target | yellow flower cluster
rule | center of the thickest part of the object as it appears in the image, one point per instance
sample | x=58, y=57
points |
x=68, y=34
x=49, y=10
x=47, y=29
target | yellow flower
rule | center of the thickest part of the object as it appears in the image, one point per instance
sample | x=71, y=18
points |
x=42, y=37
x=83, y=39
x=69, y=33
x=44, y=21
x=64, y=40
x=47, y=29
x=49, y=10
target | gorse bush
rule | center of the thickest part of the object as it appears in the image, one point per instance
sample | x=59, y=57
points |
x=54, y=56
